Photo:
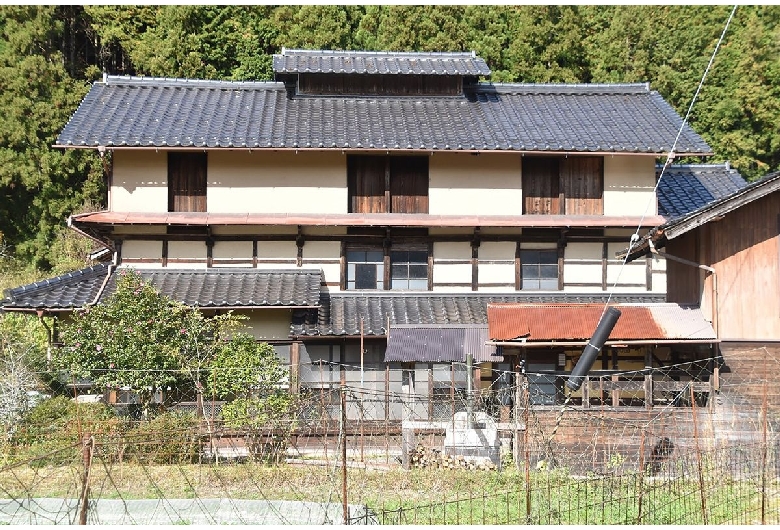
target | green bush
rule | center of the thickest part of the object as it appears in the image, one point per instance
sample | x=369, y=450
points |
x=167, y=438
x=52, y=431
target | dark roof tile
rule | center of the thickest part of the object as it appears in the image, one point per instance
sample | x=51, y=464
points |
x=156, y=112
x=368, y=62
x=684, y=188
x=212, y=288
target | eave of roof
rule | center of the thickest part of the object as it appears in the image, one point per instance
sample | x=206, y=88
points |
x=347, y=314
x=674, y=228
x=356, y=219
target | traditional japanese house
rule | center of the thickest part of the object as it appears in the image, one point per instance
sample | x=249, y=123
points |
x=364, y=209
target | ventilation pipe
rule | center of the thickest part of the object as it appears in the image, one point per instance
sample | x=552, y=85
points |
x=588, y=357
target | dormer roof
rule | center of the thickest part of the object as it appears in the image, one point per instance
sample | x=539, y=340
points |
x=367, y=62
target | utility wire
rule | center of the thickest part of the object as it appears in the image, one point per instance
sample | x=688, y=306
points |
x=670, y=157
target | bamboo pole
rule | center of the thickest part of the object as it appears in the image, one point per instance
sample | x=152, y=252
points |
x=698, y=456
x=344, y=453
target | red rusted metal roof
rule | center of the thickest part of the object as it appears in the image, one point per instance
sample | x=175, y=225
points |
x=357, y=219
x=574, y=322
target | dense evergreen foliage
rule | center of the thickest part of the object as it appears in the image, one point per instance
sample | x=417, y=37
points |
x=50, y=54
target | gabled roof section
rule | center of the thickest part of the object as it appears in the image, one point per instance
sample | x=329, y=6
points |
x=530, y=323
x=658, y=236
x=686, y=187
x=67, y=291
x=340, y=313
x=368, y=62
x=137, y=112
x=208, y=288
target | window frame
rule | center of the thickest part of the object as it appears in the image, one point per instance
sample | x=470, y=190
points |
x=527, y=265
x=385, y=267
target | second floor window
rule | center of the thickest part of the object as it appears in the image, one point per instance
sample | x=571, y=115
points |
x=187, y=182
x=563, y=185
x=387, y=184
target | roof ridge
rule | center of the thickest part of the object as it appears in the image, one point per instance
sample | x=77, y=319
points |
x=289, y=52
x=115, y=80
x=553, y=88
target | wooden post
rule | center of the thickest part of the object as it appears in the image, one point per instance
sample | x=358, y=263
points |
x=87, y=459
x=344, y=452
x=615, y=392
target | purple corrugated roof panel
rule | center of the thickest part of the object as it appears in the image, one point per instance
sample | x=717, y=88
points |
x=439, y=344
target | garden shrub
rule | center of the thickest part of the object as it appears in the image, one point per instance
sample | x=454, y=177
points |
x=167, y=438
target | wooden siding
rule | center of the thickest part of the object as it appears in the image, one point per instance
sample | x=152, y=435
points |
x=582, y=182
x=684, y=282
x=187, y=182
x=367, y=184
x=541, y=186
x=744, y=250
x=397, y=184
x=391, y=85
x=563, y=185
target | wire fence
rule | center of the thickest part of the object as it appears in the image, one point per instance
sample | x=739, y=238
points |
x=690, y=457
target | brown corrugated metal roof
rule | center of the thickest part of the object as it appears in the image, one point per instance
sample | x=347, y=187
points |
x=562, y=322
x=356, y=219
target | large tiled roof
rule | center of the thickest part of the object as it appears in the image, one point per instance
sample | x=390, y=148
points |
x=364, y=62
x=209, y=288
x=340, y=313
x=173, y=113
x=685, y=187
x=565, y=322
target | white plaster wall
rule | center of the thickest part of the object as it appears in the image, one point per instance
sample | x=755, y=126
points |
x=276, y=250
x=277, y=182
x=628, y=185
x=324, y=255
x=582, y=251
x=497, y=250
x=488, y=184
x=140, y=181
x=582, y=273
x=232, y=250
x=187, y=250
x=136, y=249
x=497, y=273
x=268, y=324
x=452, y=273
x=443, y=251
